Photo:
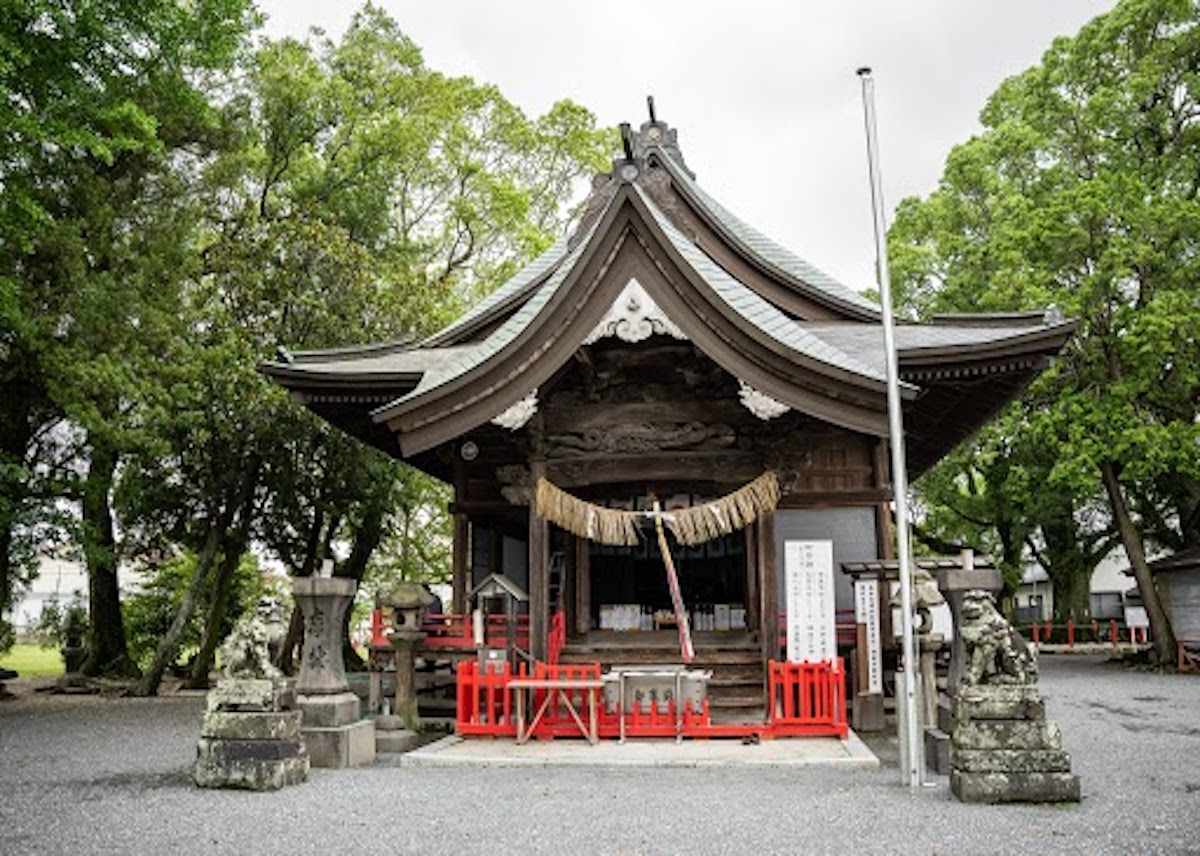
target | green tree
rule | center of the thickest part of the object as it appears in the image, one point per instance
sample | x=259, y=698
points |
x=1082, y=192
x=360, y=196
x=98, y=98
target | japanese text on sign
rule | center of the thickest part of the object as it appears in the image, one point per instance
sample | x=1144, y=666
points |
x=808, y=568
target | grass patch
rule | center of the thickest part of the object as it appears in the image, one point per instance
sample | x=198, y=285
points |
x=33, y=661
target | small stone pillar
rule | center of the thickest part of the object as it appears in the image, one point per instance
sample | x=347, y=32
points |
x=334, y=732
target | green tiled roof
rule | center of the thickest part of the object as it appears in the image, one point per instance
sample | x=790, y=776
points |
x=771, y=253
x=754, y=308
x=520, y=281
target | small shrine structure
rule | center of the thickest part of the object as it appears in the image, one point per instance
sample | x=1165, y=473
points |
x=667, y=351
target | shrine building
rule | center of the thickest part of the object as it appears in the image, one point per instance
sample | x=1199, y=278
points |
x=667, y=351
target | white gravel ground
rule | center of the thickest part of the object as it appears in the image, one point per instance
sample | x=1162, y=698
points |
x=81, y=775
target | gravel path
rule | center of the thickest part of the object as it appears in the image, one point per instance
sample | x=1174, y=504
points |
x=81, y=775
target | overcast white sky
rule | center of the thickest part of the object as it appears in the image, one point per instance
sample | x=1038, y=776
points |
x=764, y=94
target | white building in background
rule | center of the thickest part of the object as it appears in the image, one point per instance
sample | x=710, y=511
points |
x=62, y=581
x=1112, y=592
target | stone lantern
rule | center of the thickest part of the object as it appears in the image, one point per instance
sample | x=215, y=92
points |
x=334, y=731
x=408, y=602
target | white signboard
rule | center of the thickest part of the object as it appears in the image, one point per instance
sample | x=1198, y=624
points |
x=866, y=612
x=808, y=569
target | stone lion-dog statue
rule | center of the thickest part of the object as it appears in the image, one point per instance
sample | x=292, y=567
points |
x=995, y=652
x=246, y=652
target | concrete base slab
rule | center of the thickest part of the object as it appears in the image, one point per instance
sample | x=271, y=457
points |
x=344, y=746
x=850, y=753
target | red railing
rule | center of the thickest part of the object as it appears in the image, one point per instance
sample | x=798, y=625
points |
x=453, y=631
x=1095, y=633
x=804, y=700
x=557, y=637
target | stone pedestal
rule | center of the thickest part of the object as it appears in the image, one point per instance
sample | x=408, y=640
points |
x=868, y=713
x=1004, y=749
x=405, y=706
x=249, y=737
x=333, y=729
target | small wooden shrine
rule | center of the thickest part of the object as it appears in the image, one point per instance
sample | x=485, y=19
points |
x=666, y=351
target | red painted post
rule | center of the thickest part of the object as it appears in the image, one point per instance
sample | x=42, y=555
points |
x=1070, y=632
x=1033, y=631
x=1112, y=632
x=377, y=637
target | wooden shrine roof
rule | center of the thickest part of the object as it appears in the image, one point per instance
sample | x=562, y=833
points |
x=788, y=332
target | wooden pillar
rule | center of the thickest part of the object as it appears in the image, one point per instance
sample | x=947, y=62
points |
x=768, y=586
x=583, y=586
x=539, y=572
x=753, y=610
x=460, y=563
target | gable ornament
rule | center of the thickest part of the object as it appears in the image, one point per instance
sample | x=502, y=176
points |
x=518, y=414
x=634, y=317
x=759, y=403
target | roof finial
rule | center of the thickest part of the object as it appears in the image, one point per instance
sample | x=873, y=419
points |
x=627, y=140
x=650, y=105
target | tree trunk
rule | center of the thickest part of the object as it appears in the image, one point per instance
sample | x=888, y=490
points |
x=1072, y=595
x=215, y=620
x=1160, y=624
x=168, y=648
x=107, y=653
x=366, y=540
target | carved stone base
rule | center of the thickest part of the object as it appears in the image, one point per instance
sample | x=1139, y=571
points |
x=255, y=765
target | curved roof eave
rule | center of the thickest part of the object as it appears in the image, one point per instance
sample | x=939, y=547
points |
x=530, y=319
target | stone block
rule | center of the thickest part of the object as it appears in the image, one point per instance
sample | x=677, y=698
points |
x=396, y=741
x=251, y=725
x=1011, y=761
x=329, y=711
x=1006, y=734
x=256, y=765
x=868, y=714
x=243, y=694
x=342, y=746
x=937, y=751
x=1014, y=787
x=998, y=701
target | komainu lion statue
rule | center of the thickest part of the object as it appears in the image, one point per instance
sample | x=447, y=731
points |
x=995, y=653
x=246, y=653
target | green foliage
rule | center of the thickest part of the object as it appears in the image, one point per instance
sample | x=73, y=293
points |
x=149, y=612
x=56, y=623
x=1081, y=192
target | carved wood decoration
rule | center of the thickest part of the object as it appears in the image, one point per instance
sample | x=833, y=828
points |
x=634, y=317
x=518, y=414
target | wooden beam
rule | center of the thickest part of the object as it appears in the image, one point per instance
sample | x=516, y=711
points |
x=460, y=563
x=769, y=588
x=583, y=586
x=752, y=576
x=539, y=573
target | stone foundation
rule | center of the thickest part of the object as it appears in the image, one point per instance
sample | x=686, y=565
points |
x=248, y=739
x=1003, y=749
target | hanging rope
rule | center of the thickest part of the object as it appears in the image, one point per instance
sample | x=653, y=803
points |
x=690, y=526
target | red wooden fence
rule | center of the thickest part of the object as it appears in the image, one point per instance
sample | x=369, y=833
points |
x=805, y=700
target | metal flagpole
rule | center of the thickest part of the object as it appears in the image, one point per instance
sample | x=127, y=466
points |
x=912, y=760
